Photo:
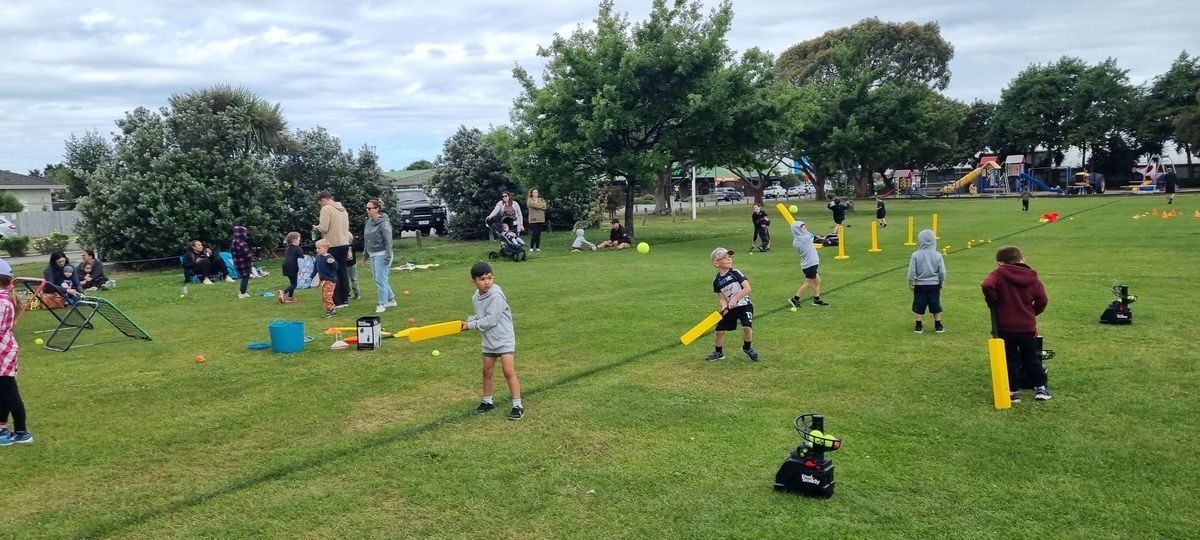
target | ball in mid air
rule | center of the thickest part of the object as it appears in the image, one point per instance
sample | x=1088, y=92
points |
x=793, y=209
x=643, y=247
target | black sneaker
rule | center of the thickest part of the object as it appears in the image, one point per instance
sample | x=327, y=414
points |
x=1014, y=397
x=1041, y=393
x=714, y=356
x=937, y=327
x=517, y=413
x=818, y=302
x=794, y=302
x=484, y=408
x=753, y=354
x=917, y=328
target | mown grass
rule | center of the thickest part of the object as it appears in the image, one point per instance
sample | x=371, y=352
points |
x=629, y=434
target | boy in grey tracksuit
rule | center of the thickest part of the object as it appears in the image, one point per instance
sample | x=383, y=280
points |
x=493, y=319
x=926, y=274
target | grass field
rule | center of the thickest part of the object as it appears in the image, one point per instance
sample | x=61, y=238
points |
x=628, y=433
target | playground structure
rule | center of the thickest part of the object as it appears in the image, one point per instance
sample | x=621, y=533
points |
x=1014, y=169
x=909, y=182
x=1150, y=173
x=968, y=180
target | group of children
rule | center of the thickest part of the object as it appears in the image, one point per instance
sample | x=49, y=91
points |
x=1012, y=291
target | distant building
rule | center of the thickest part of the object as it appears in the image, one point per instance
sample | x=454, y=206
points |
x=35, y=192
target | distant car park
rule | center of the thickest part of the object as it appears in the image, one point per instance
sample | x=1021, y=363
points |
x=774, y=192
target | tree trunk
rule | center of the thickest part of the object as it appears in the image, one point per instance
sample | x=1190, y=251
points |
x=629, y=206
x=662, y=193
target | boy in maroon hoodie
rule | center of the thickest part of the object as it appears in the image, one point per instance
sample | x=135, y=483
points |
x=1016, y=297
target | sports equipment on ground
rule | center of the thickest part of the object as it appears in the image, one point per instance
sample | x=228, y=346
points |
x=39, y=341
x=807, y=471
x=436, y=352
x=643, y=247
x=79, y=318
x=200, y=358
x=999, y=367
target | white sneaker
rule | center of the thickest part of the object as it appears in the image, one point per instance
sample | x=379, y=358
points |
x=207, y=281
x=243, y=295
x=390, y=303
x=380, y=309
x=340, y=306
x=229, y=279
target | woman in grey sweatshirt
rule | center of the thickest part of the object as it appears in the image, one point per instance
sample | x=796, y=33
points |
x=377, y=243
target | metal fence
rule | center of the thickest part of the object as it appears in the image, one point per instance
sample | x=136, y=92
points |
x=38, y=223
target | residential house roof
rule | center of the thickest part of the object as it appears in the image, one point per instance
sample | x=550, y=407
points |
x=12, y=180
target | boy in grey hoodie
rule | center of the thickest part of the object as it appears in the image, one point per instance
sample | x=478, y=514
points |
x=493, y=319
x=926, y=274
x=802, y=240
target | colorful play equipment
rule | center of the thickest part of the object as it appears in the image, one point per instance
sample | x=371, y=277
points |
x=992, y=181
x=1150, y=173
x=969, y=179
x=909, y=182
x=1087, y=183
x=1014, y=169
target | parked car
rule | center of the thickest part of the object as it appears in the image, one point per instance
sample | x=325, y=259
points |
x=801, y=190
x=420, y=212
x=774, y=192
x=7, y=228
x=728, y=194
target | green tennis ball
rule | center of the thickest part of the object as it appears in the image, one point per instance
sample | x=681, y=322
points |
x=643, y=247
x=793, y=309
x=437, y=352
x=39, y=341
x=793, y=209
x=817, y=437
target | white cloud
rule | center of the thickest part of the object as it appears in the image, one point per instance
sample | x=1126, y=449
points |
x=95, y=18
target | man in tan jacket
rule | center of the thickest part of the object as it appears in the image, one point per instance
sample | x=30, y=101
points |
x=334, y=226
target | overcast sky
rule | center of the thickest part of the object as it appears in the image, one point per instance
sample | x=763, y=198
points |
x=402, y=76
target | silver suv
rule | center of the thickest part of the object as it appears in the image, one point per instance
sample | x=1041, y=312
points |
x=728, y=194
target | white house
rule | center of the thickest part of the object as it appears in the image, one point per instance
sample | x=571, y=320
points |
x=33, y=191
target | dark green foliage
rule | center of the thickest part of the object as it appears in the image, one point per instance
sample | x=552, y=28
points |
x=470, y=178
x=193, y=170
x=16, y=246
x=419, y=165
x=1171, y=105
x=83, y=155
x=10, y=203
x=314, y=161
x=874, y=51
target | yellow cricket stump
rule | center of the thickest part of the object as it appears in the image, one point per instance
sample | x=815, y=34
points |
x=841, y=256
x=910, y=233
x=935, y=232
x=999, y=366
x=874, y=237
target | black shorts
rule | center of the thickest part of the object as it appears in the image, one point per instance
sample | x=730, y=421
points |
x=811, y=272
x=927, y=296
x=880, y=214
x=741, y=313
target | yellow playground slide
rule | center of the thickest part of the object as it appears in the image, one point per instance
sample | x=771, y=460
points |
x=970, y=177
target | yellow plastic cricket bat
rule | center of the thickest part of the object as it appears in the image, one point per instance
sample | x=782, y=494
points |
x=999, y=365
x=422, y=333
x=710, y=321
x=786, y=214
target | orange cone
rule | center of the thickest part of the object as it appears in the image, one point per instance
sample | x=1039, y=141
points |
x=1154, y=212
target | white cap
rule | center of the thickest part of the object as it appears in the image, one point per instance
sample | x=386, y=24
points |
x=5, y=268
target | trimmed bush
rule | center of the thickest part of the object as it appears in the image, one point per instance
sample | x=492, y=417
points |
x=16, y=246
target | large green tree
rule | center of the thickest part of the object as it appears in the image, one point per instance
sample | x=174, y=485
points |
x=1187, y=125
x=470, y=177
x=1101, y=107
x=193, y=169
x=419, y=165
x=1036, y=109
x=312, y=161
x=627, y=100
x=1169, y=96
x=870, y=100
x=82, y=156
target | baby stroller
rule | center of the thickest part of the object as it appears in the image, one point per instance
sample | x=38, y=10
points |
x=511, y=245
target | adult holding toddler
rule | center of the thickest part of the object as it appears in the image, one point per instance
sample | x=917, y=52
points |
x=60, y=278
x=377, y=243
x=91, y=271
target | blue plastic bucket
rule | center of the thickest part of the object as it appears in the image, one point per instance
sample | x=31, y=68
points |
x=286, y=336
